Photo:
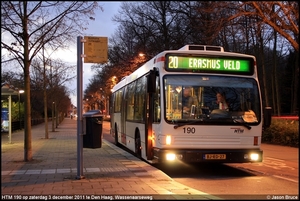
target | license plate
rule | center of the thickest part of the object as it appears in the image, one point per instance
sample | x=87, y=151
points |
x=215, y=156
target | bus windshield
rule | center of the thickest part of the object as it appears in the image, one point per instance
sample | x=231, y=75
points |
x=217, y=99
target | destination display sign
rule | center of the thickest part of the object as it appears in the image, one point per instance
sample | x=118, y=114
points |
x=210, y=64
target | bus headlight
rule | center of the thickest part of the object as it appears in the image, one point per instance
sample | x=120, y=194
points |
x=170, y=157
x=254, y=157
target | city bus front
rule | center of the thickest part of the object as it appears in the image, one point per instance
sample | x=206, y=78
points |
x=209, y=130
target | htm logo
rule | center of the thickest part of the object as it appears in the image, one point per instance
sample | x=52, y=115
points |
x=6, y=197
x=238, y=130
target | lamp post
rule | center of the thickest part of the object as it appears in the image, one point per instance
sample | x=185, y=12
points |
x=20, y=92
x=101, y=100
x=53, y=115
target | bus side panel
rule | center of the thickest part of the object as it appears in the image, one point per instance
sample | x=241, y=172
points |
x=115, y=125
x=131, y=129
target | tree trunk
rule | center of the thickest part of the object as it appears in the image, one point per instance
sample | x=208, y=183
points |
x=27, y=63
x=45, y=101
x=265, y=86
x=295, y=87
x=27, y=119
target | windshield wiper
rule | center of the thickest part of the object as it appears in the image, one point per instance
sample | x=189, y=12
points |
x=186, y=123
x=243, y=124
x=191, y=122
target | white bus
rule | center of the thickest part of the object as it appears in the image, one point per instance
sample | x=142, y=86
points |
x=148, y=118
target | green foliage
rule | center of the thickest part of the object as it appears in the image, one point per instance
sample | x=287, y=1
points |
x=283, y=132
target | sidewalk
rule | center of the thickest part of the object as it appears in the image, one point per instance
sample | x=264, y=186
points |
x=108, y=172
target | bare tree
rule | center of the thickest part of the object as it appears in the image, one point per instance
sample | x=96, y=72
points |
x=283, y=18
x=55, y=74
x=27, y=31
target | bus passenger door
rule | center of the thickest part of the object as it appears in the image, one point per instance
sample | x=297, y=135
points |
x=123, y=115
x=152, y=81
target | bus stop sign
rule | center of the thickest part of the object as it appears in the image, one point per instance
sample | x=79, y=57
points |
x=95, y=49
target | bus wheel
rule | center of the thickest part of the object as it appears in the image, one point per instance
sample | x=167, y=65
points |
x=138, y=151
x=116, y=135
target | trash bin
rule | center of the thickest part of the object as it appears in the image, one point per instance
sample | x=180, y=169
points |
x=92, y=129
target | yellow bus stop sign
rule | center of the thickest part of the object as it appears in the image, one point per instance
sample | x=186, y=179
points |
x=95, y=49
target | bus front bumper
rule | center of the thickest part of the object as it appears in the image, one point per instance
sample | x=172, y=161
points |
x=207, y=155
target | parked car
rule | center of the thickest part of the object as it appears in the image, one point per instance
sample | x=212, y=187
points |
x=106, y=117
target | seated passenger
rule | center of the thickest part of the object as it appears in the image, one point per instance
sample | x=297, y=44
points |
x=221, y=101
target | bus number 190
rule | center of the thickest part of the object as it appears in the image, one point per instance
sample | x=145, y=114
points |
x=189, y=130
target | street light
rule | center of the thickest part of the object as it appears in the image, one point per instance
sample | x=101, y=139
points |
x=141, y=54
x=20, y=92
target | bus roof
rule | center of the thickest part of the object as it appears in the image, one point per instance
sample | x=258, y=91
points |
x=160, y=57
x=202, y=47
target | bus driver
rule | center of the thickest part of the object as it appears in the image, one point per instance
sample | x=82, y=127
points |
x=187, y=100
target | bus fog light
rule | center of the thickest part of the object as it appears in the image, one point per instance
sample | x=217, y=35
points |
x=170, y=157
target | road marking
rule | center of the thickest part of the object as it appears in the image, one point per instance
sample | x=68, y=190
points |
x=66, y=170
x=274, y=163
x=285, y=178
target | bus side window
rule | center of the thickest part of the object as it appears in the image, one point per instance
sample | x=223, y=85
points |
x=130, y=101
x=140, y=99
x=156, y=97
